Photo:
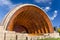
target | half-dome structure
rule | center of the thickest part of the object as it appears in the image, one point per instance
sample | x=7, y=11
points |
x=27, y=18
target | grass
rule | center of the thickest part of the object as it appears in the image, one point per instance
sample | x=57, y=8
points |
x=50, y=39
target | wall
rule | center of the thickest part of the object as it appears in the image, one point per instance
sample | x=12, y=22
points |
x=11, y=35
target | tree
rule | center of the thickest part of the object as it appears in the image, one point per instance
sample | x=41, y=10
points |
x=58, y=30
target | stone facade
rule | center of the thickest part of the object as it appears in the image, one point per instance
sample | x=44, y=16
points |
x=11, y=35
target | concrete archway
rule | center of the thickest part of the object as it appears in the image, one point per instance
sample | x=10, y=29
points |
x=28, y=18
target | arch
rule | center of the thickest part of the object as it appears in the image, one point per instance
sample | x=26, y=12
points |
x=30, y=16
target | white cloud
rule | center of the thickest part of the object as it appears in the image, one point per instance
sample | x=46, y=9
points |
x=50, y=2
x=54, y=16
x=5, y=6
x=55, y=11
x=7, y=3
x=46, y=8
x=43, y=1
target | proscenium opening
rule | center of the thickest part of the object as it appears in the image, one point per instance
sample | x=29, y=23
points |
x=30, y=19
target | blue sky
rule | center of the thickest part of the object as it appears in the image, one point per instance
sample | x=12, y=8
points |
x=51, y=7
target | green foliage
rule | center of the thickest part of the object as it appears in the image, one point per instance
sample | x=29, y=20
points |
x=58, y=30
x=50, y=39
